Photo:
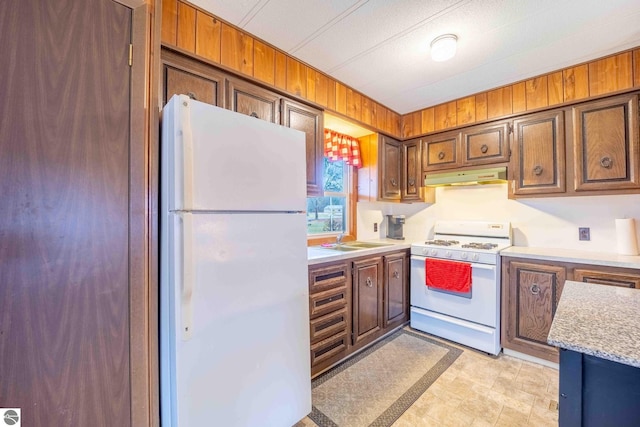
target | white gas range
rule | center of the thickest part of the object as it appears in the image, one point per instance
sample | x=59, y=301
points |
x=472, y=317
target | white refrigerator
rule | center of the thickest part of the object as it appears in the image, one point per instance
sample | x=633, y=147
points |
x=234, y=305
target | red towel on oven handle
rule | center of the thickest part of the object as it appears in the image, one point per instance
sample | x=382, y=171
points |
x=448, y=275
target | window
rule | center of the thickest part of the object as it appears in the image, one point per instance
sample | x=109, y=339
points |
x=328, y=215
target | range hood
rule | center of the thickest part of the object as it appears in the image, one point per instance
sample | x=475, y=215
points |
x=468, y=177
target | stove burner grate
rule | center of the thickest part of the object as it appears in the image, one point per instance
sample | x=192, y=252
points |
x=440, y=242
x=475, y=245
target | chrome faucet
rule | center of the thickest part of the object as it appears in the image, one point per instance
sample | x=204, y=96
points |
x=339, y=238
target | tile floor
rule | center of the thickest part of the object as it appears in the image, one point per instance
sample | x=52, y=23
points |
x=480, y=390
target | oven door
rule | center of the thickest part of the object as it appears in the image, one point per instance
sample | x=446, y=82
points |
x=481, y=308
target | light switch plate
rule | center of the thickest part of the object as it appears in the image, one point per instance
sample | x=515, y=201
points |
x=584, y=233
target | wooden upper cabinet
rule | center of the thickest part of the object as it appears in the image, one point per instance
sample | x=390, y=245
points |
x=367, y=299
x=605, y=135
x=607, y=278
x=310, y=121
x=484, y=144
x=252, y=100
x=539, y=153
x=411, y=169
x=529, y=303
x=181, y=75
x=441, y=151
x=390, y=169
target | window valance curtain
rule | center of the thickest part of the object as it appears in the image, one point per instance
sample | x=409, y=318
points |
x=338, y=146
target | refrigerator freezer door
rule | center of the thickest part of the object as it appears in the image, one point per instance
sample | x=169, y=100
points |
x=219, y=160
x=245, y=361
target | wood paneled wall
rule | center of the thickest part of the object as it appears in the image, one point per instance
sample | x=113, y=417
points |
x=199, y=33
x=611, y=74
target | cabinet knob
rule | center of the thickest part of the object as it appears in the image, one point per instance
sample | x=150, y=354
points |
x=484, y=148
x=606, y=162
x=394, y=182
x=254, y=114
x=441, y=155
x=192, y=95
x=412, y=182
x=369, y=282
x=538, y=170
x=396, y=275
x=535, y=289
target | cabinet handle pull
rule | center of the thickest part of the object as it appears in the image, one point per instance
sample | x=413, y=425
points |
x=369, y=282
x=538, y=170
x=535, y=289
x=396, y=274
x=192, y=95
x=441, y=155
x=606, y=162
x=254, y=114
x=484, y=148
x=412, y=182
x=394, y=182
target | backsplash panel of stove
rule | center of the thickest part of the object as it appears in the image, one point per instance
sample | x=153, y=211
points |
x=543, y=222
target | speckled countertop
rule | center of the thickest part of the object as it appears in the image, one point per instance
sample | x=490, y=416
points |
x=599, y=320
x=317, y=255
x=570, y=255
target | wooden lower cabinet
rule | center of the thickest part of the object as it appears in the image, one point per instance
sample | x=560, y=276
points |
x=353, y=303
x=531, y=290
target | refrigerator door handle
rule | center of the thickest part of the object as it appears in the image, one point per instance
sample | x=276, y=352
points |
x=184, y=228
x=185, y=155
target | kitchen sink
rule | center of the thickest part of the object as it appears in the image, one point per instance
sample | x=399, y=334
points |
x=366, y=245
x=343, y=247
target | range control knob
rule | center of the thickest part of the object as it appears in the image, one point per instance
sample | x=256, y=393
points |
x=475, y=257
x=447, y=254
x=463, y=255
x=425, y=251
x=433, y=252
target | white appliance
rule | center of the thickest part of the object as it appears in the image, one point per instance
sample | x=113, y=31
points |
x=471, y=319
x=234, y=299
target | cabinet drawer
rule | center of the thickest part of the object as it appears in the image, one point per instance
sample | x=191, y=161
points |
x=329, y=324
x=604, y=278
x=328, y=277
x=326, y=301
x=328, y=348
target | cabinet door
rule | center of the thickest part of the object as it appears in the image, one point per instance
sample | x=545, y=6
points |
x=252, y=100
x=310, y=121
x=440, y=151
x=485, y=144
x=367, y=299
x=411, y=170
x=531, y=297
x=181, y=75
x=607, y=278
x=396, y=302
x=605, y=137
x=391, y=167
x=538, y=153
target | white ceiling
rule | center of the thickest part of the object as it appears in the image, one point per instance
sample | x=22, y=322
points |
x=381, y=47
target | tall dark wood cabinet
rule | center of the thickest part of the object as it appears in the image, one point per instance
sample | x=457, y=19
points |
x=390, y=174
x=411, y=170
x=367, y=299
x=73, y=219
x=396, y=290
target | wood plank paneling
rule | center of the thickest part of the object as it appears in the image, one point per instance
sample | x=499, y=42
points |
x=354, y=104
x=207, y=36
x=367, y=110
x=264, y=62
x=186, y=38
x=381, y=116
x=393, y=123
x=237, y=50
x=281, y=70
x=296, y=77
x=322, y=89
x=536, y=94
x=311, y=84
x=499, y=102
x=576, y=82
x=428, y=123
x=445, y=115
x=331, y=94
x=519, y=97
x=411, y=124
x=610, y=74
x=636, y=67
x=341, y=98
x=169, y=32
x=554, y=88
x=466, y=110
x=481, y=107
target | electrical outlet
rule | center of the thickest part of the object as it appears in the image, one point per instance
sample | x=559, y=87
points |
x=584, y=233
x=375, y=226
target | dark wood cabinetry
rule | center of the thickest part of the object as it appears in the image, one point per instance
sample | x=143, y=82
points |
x=485, y=144
x=390, y=173
x=539, y=153
x=190, y=77
x=411, y=170
x=367, y=299
x=310, y=121
x=531, y=290
x=396, y=292
x=441, y=151
x=605, y=137
x=246, y=98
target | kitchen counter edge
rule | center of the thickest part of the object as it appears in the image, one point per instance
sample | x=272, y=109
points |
x=329, y=255
x=571, y=255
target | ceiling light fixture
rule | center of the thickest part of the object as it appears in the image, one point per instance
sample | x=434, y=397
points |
x=443, y=47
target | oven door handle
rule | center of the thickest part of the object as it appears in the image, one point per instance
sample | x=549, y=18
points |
x=484, y=267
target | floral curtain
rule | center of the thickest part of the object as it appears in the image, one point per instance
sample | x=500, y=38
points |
x=338, y=146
